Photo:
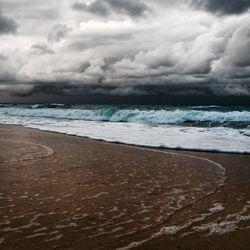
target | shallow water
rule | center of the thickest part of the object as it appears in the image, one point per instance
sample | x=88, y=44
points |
x=66, y=192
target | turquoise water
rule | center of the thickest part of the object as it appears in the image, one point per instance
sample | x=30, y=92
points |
x=196, y=116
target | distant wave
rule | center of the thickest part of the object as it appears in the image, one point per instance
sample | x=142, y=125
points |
x=36, y=106
x=132, y=115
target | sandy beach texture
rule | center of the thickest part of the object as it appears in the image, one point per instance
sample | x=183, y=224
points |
x=66, y=192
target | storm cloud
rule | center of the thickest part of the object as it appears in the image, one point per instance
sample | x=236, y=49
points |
x=7, y=25
x=227, y=7
x=126, y=48
x=132, y=8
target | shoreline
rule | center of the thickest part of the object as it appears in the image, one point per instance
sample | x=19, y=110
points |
x=135, y=145
x=76, y=194
x=143, y=146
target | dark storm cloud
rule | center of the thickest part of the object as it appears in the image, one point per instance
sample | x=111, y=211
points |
x=133, y=8
x=7, y=25
x=224, y=7
x=62, y=92
x=62, y=88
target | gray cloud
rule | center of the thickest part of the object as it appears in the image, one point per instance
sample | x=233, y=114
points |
x=15, y=89
x=41, y=49
x=130, y=7
x=7, y=25
x=97, y=7
x=133, y=8
x=8, y=70
x=58, y=33
x=227, y=7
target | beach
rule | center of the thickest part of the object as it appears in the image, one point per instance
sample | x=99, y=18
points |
x=66, y=192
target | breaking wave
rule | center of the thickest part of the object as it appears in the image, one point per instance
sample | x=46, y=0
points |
x=201, y=116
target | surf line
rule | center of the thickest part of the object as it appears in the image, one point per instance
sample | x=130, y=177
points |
x=131, y=146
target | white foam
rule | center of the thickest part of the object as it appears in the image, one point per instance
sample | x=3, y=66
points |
x=71, y=224
x=40, y=229
x=230, y=224
x=57, y=237
x=222, y=227
x=174, y=229
x=170, y=230
x=217, y=208
x=35, y=235
x=13, y=229
x=95, y=196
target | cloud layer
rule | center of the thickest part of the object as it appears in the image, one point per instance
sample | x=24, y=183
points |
x=125, y=47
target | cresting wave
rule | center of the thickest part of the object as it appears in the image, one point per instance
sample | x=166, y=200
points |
x=195, y=116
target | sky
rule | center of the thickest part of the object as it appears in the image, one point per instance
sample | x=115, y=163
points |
x=124, y=50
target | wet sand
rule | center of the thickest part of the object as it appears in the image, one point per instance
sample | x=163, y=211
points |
x=66, y=192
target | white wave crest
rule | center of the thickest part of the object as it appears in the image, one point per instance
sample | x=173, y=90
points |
x=112, y=114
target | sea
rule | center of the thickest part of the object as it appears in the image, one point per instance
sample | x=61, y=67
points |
x=201, y=128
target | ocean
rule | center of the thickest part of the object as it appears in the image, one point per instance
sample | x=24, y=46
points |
x=203, y=128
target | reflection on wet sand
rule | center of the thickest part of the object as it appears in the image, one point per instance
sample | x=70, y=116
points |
x=62, y=192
